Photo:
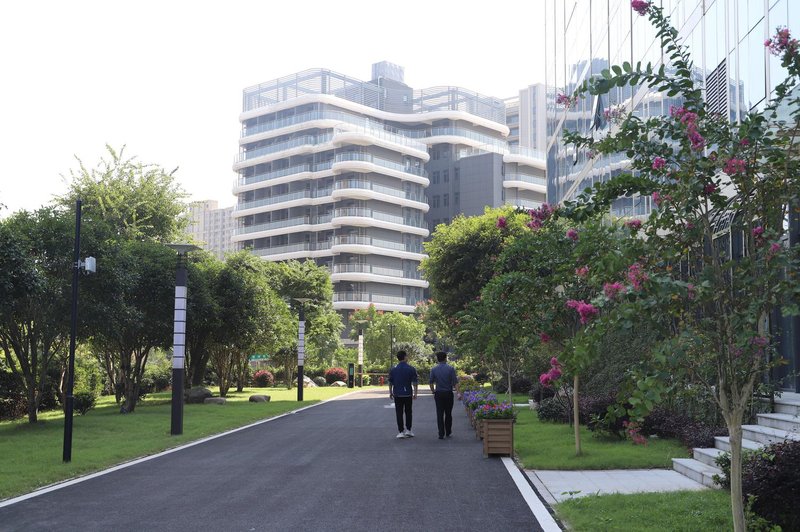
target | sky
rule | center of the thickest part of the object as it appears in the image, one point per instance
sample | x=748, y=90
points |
x=165, y=78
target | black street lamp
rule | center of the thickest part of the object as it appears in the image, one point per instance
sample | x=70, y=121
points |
x=179, y=337
x=69, y=400
x=361, y=351
x=301, y=345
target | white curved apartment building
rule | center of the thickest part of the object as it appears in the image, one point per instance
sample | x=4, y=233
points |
x=336, y=169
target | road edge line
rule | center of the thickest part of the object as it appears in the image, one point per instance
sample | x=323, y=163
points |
x=540, y=512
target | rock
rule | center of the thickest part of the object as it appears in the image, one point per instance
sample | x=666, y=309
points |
x=339, y=384
x=214, y=401
x=308, y=382
x=197, y=395
x=259, y=399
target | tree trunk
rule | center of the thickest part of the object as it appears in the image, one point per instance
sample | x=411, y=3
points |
x=737, y=503
x=198, y=370
x=131, y=395
x=33, y=404
x=576, y=417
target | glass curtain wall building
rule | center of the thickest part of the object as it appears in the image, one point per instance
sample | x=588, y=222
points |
x=726, y=42
x=354, y=174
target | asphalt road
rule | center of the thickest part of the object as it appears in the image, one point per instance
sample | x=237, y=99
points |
x=337, y=466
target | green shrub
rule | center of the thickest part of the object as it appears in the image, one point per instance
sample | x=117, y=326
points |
x=83, y=402
x=320, y=381
x=772, y=479
x=552, y=409
x=367, y=380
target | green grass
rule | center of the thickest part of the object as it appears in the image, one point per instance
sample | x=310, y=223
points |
x=30, y=455
x=679, y=511
x=541, y=445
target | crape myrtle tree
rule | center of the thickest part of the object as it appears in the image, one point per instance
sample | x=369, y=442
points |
x=203, y=312
x=700, y=168
x=35, y=281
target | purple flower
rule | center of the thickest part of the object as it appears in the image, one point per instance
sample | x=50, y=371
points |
x=544, y=338
x=710, y=188
x=501, y=222
x=757, y=232
x=636, y=275
x=640, y=6
x=734, y=166
x=612, y=289
x=566, y=101
x=634, y=224
x=572, y=234
x=659, y=163
x=585, y=310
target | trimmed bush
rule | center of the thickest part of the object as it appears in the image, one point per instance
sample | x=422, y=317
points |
x=666, y=423
x=319, y=381
x=772, y=478
x=335, y=374
x=519, y=384
x=84, y=401
x=263, y=378
x=552, y=410
x=539, y=392
x=481, y=377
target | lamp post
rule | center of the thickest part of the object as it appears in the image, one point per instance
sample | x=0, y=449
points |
x=69, y=399
x=391, y=344
x=361, y=352
x=179, y=337
x=301, y=345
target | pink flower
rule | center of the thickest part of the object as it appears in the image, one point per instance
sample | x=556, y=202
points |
x=689, y=226
x=734, y=166
x=544, y=338
x=612, y=289
x=555, y=363
x=710, y=188
x=658, y=198
x=586, y=311
x=640, y=6
x=634, y=224
x=760, y=341
x=757, y=232
x=774, y=248
x=697, y=140
x=566, y=101
x=658, y=163
x=535, y=224
x=782, y=42
x=572, y=234
x=744, y=142
x=501, y=222
x=637, y=276
x=544, y=379
x=583, y=271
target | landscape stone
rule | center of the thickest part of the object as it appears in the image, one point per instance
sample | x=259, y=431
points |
x=197, y=395
x=339, y=384
x=214, y=401
x=259, y=398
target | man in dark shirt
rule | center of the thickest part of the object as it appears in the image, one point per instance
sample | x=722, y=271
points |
x=444, y=376
x=402, y=378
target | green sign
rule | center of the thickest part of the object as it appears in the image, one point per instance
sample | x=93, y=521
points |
x=258, y=357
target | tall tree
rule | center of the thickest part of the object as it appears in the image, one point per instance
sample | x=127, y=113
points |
x=203, y=313
x=382, y=330
x=35, y=273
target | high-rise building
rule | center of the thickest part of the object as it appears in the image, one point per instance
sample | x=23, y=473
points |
x=726, y=41
x=211, y=227
x=355, y=174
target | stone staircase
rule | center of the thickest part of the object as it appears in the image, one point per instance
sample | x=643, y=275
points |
x=783, y=424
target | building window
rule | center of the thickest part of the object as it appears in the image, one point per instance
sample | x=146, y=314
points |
x=456, y=174
x=456, y=199
x=435, y=177
x=446, y=176
x=436, y=154
x=446, y=200
x=435, y=202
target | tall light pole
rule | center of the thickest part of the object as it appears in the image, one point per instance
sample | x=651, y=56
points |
x=69, y=399
x=179, y=337
x=360, y=352
x=301, y=345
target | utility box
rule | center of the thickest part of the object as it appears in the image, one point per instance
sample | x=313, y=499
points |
x=351, y=375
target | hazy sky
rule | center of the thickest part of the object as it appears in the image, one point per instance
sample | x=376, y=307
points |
x=165, y=77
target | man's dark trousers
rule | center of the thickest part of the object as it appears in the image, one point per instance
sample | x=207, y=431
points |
x=444, y=412
x=401, y=404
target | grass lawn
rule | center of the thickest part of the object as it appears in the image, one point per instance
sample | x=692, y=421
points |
x=541, y=445
x=679, y=510
x=30, y=455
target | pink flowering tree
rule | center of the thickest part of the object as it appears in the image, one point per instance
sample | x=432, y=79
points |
x=710, y=298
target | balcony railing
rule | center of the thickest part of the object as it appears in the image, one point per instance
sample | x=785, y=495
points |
x=382, y=189
x=275, y=174
x=375, y=270
x=364, y=212
x=368, y=297
x=536, y=180
x=292, y=248
x=378, y=243
x=369, y=158
x=282, y=198
x=279, y=224
x=305, y=140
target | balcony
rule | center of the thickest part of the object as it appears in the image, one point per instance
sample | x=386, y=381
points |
x=352, y=300
x=280, y=224
x=283, y=198
x=275, y=174
x=526, y=178
x=305, y=140
x=378, y=161
x=380, y=189
x=375, y=270
x=302, y=247
x=363, y=212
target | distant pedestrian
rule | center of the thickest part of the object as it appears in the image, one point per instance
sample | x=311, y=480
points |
x=402, y=379
x=444, y=377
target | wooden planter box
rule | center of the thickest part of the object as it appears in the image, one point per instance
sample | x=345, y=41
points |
x=498, y=436
x=478, y=428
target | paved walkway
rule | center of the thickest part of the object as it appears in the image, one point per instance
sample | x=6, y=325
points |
x=557, y=486
x=335, y=466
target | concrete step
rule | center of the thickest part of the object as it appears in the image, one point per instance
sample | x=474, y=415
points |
x=787, y=405
x=785, y=422
x=723, y=443
x=767, y=435
x=696, y=470
x=706, y=455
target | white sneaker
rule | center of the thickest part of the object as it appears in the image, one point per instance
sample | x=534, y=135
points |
x=401, y=435
x=408, y=433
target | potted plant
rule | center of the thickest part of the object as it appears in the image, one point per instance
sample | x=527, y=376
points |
x=497, y=427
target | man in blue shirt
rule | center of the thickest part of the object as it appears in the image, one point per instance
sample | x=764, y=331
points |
x=402, y=378
x=444, y=376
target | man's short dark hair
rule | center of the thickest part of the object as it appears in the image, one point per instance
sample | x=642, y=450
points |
x=441, y=356
x=401, y=355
